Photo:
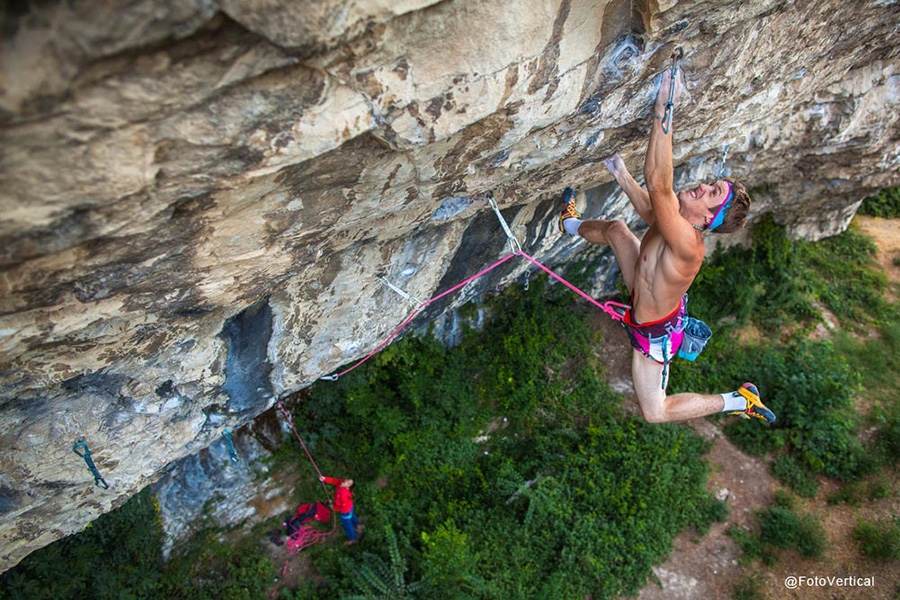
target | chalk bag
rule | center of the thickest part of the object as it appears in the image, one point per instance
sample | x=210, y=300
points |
x=696, y=335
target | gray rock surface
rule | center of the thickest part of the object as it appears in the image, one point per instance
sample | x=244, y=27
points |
x=197, y=197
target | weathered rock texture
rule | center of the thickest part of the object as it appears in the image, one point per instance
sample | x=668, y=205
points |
x=198, y=195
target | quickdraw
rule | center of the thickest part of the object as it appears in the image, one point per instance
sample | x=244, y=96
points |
x=418, y=304
x=667, y=115
x=514, y=246
x=232, y=453
x=722, y=170
x=98, y=479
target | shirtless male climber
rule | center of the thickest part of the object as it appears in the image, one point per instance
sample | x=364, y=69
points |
x=659, y=269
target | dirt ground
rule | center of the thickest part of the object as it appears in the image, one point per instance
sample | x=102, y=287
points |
x=708, y=567
x=886, y=233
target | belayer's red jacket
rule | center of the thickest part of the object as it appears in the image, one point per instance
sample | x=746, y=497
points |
x=343, y=497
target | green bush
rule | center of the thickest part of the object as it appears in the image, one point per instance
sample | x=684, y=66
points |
x=844, y=277
x=751, y=546
x=749, y=587
x=885, y=204
x=850, y=493
x=789, y=471
x=782, y=528
x=213, y=566
x=879, y=490
x=877, y=360
x=879, y=541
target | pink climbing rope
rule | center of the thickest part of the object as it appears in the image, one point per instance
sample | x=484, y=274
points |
x=419, y=308
x=609, y=307
x=614, y=309
x=290, y=421
x=305, y=537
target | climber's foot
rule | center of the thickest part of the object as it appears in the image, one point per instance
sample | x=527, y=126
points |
x=569, y=210
x=755, y=408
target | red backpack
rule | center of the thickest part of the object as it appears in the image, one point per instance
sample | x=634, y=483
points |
x=299, y=534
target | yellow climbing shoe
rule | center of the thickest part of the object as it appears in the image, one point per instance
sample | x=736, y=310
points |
x=569, y=211
x=755, y=408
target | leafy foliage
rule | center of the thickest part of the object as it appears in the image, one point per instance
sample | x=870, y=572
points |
x=379, y=580
x=885, y=204
x=510, y=469
x=781, y=527
x=788, y=470
x=880, y=541
x=773, y=288
x=213, y=567
x=750, y=587
x=119, y=556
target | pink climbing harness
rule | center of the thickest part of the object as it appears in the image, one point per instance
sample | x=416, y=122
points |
x=658, y=340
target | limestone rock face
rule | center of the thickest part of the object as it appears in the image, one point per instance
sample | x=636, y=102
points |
x=197, y=197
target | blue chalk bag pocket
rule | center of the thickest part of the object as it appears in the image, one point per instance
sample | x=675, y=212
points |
x=696, y=335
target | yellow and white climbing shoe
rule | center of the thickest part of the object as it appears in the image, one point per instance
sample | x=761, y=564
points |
x=755, y=408
x=569, y=211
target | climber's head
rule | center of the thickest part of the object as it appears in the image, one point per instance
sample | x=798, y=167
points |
x=731, y=215
x=723, y=205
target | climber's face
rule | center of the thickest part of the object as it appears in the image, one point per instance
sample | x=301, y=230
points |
x=709, y=195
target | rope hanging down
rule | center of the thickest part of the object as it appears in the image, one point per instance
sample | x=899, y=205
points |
x=290, y=421
x=305, y=536
x=614, y=309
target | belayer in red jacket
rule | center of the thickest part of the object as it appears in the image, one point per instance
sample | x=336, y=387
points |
x=343, y=503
